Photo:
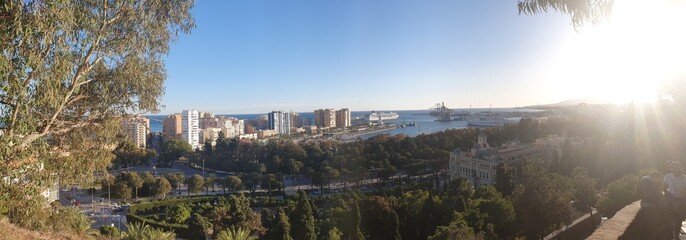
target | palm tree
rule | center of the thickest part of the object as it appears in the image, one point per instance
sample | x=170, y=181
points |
x=140, y=231
x=235, y=234
x=580, y=11
x=81, y=226
x=157, y=234
x=136, y=230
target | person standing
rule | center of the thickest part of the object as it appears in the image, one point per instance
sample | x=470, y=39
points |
x=650, y=190
x=675, y=197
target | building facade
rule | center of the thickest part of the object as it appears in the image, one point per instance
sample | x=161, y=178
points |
x=480, y=164
x=137, y=130
x=295, y=120
x=280, y=122
x=325, y=118
x=343, y=118
x=171, y=127
x=190, y=129
x=209, y=135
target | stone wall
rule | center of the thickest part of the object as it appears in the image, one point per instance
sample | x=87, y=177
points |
x=615, y=227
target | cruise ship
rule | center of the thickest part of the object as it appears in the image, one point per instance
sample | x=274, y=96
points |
x=381, y=116
x=487, y=121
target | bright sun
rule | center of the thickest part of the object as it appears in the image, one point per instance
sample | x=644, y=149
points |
x=628, y=58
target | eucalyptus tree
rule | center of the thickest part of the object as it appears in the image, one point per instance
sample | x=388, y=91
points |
x=69, y=70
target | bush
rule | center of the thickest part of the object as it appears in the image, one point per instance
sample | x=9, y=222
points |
x=109, y=231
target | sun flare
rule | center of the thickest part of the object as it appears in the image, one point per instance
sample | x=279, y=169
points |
x=628, y=58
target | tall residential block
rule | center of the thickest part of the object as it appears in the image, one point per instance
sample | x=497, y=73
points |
x=280, y=121
x=343, y=118
x=137, y=129
x=325, y=117
x=190, y=129
x=171, y=126
x=209, y=135
x=295, y=120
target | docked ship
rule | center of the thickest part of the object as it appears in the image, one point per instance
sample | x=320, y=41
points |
x=381, y=116
x=487, y=121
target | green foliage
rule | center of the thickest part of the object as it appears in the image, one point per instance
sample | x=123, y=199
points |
x=490, y=210
x=303, y=219
x=542, y=203
x=199, y=227
x=81, y=227
x=141, y=231
x=231, y=182
x=620, y=193
x=586, y=194
x=69, y=70
x=178, y=213
x=174, y=149
x=122, y=190
x=161, y=187
x=504, y=180
x=175, y=179
x=136, y=230
x=379, y=220
x=195, y=183
x=132, y=180
x=128, y=154
x=281, y=227
x=109, y=231
x=233, y=211
x=234, y=234
x=334, y=234
x=409, y=209
x=457, y=229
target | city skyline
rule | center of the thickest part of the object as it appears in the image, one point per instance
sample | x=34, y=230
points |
x=253, y=57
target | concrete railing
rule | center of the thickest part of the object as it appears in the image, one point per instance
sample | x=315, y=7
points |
x=615, y=227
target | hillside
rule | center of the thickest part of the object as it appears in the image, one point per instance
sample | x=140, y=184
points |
x=9, y=231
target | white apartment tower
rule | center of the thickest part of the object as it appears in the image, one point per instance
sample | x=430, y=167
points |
x=190, y=129
x=280, y=121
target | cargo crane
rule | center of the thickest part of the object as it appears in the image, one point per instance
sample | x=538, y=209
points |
x=441, y=112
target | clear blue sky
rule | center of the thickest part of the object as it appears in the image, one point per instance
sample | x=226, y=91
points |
x=251, y=56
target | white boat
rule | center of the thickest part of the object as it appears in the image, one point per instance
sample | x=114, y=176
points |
x=381, y=116
x=487, y=121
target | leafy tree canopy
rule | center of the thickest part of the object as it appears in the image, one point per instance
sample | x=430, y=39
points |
x=68, y=71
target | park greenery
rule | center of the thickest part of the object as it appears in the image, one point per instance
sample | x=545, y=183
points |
x=415, y=211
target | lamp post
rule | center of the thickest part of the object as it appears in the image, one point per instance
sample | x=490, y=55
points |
x=203, y=167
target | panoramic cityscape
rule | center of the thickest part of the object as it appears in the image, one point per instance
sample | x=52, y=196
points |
x=343, y=120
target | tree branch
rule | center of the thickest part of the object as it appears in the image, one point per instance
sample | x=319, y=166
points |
x=7, y=103
x=84, y=67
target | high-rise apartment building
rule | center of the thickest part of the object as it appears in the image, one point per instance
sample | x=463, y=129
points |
x=280, y=121
x=137, y=129
x=295, y=120
x=343, y=118
x=171, y=127
x=190, y=129
x=209, y=135
x=325, y=117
